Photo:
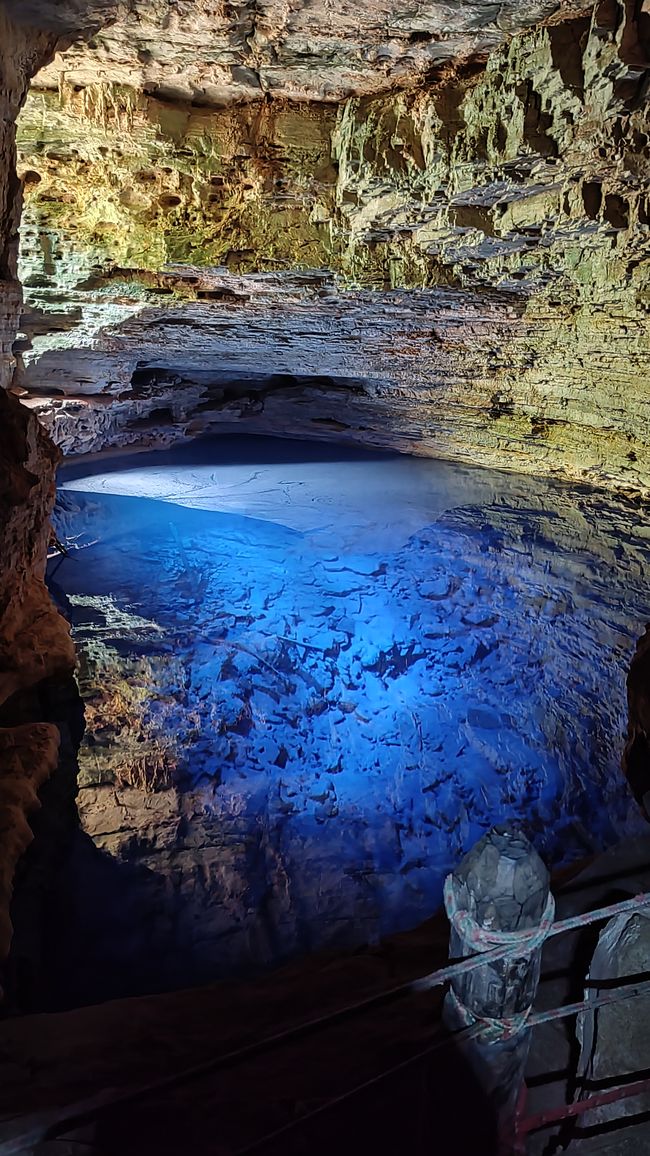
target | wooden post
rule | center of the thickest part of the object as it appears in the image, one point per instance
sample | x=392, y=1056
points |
x=499, y=890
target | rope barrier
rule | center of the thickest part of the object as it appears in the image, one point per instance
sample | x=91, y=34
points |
x=513, y=945
x=460, y=1038
x=484, y=938
x=85, y=1113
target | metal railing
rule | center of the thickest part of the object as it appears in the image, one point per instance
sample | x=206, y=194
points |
x=57, y=1123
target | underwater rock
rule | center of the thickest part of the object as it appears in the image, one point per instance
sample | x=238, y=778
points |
x=324, y=768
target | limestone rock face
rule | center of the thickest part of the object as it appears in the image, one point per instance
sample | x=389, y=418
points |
x=214, y=52
x=34, y=639
x=488, y=232
x=28, y=754
x=21, y=55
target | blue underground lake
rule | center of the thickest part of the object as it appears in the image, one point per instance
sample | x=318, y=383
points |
x=313, y=678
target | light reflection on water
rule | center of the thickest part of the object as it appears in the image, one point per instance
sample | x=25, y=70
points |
x=314, y=677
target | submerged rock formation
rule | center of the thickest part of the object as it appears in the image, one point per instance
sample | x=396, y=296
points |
x=345, y=670
x=425, y=230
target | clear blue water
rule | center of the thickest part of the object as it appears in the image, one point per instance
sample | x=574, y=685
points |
x=354, y=664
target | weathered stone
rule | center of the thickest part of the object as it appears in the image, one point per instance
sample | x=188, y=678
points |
x=495, y=218
x=215, y=54
x=503, y=885
x=499, y=888
x=614, y=1039
x=502, y=882
x=34, y=639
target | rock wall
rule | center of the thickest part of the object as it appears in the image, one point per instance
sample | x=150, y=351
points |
x=34, y=639
x=128, y=180
x=225, y=53
x=636, y=758
x=532, y=178
x=489, y=229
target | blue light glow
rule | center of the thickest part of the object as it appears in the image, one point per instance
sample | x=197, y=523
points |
x=361, y=662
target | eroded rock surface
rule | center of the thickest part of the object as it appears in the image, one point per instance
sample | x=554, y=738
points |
x=636, y=758
x=34, y=638
x=217, y=53
x=613, y=1040
x=489, y=231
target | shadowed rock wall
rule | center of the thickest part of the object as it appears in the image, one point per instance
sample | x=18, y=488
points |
x=34, y=639
x=636, y=758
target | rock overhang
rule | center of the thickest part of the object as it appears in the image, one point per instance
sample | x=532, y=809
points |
x=216, y=53
x=472, y=244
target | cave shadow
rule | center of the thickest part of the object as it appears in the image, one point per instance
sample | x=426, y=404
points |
x=115, y=929
x=223, y=450
x=25, y=971
x=410, y=1104
x=98, y=938
x=83, y=15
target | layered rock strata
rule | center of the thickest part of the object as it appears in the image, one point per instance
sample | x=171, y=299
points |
x=489, y=232
x=342, y=366
x=214, y=54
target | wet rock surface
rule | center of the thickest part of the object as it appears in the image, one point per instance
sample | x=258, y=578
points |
x=614, y=1040
x=308, y=696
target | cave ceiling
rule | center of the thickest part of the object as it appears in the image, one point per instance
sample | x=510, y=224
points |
x=422, y=228
x=215, y=52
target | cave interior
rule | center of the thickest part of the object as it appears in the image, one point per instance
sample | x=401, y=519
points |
x=324, y=476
